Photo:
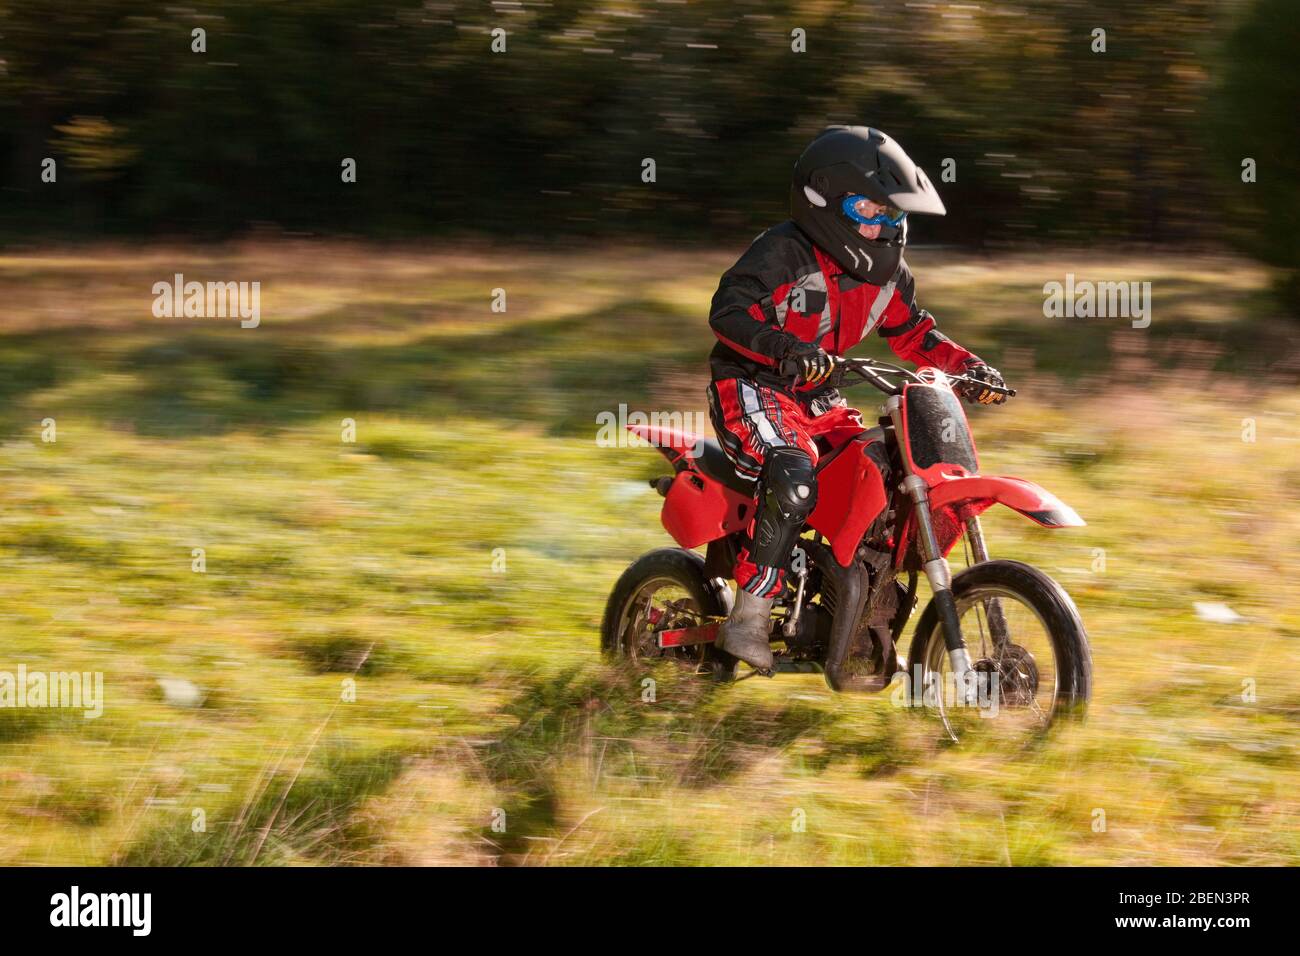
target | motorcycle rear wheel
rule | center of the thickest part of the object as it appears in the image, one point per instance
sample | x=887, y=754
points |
x=664, y=589
x=1019, y=625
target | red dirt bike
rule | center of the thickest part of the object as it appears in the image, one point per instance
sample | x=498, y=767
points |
x=845, y=602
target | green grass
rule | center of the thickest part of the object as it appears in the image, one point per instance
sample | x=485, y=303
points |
x=376, y=688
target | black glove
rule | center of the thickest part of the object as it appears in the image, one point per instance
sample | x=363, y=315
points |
x=974, y=391
x=807, y=363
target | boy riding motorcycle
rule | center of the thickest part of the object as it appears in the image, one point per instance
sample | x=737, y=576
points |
x=811, y=288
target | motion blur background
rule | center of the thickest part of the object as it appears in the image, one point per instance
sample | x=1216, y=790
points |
x=452, y=562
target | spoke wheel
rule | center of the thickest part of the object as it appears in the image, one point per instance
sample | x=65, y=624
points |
x=659, y=604
x=1027, y=648
x=662, y=591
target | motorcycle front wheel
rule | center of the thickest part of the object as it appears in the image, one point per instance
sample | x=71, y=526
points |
x=1027, y=646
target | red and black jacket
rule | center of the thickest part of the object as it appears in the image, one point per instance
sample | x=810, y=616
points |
x=784, y=289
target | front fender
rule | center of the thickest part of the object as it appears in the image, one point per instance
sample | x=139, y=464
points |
x=1033, y=501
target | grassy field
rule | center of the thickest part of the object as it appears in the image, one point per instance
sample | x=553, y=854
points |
x=389, y=652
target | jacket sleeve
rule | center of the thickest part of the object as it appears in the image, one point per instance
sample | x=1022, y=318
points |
x=911, y=333
x=743, y=315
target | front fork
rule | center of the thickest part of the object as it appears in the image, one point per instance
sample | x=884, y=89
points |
x=992, y=606
x=934, y=563
x=939, y=575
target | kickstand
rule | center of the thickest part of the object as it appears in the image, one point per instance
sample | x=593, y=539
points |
x=755, y=672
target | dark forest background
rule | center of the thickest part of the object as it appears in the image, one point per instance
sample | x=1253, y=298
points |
x=1052, y=141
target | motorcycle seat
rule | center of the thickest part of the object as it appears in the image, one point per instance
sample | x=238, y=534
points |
x=713, y=462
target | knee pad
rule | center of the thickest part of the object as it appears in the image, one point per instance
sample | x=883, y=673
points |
x=788, y=496
x=789, y=482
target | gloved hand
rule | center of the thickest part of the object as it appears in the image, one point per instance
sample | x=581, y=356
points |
x=974, y=392
x=808, y=363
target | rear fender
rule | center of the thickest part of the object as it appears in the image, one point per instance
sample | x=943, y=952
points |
x=678, y=446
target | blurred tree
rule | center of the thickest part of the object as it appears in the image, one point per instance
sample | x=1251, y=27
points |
x=1049, y=139
x=1259, y=119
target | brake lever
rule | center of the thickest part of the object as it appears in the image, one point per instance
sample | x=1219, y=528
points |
x=967, y=380
x=838, y=373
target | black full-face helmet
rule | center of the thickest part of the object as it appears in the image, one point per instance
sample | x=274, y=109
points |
x=850, y=168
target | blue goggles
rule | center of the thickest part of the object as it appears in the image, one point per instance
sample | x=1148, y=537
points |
x=892, y=216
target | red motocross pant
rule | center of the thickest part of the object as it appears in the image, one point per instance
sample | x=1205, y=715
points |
x=752, y=419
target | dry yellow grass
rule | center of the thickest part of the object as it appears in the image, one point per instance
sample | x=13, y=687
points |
x=479, y=694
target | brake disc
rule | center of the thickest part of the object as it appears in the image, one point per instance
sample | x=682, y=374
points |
x=1017, y=675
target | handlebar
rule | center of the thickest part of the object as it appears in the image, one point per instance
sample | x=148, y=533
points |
x=874, y=373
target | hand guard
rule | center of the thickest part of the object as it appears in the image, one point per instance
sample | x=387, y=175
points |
x=974, y=391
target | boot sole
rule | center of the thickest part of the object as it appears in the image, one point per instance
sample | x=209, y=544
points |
x=757, y=665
